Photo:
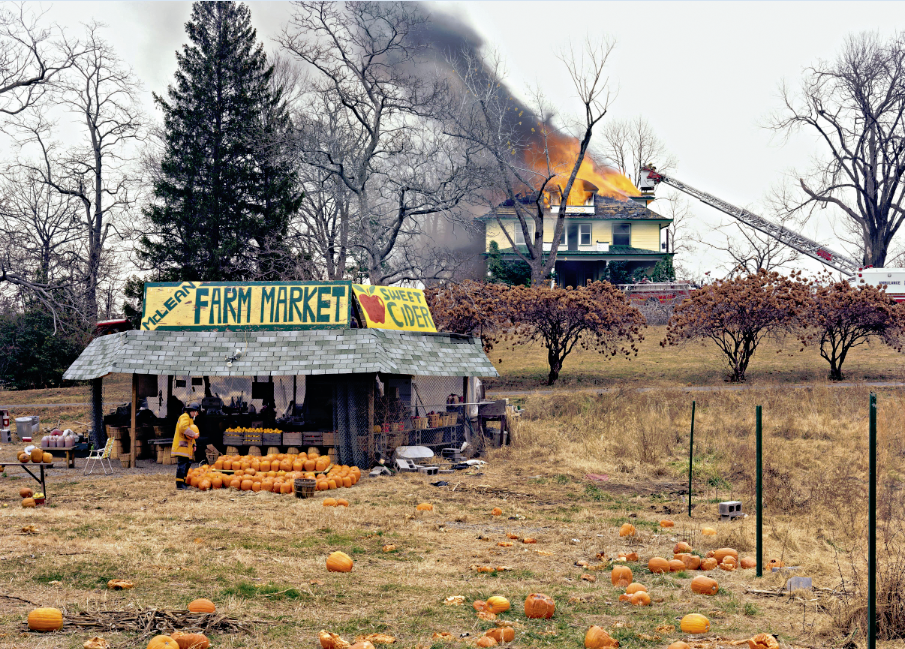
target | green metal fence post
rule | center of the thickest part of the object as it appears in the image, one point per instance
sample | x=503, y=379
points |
x=872, y=529
x=758, y=445
x=690, y=457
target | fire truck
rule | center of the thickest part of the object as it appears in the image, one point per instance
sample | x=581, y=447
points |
x=892, y=278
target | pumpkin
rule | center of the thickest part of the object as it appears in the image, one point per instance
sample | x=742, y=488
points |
x=658, y=565
x=691, y=561
x=202, y=606
x=763, y=641
x=37, y=455
x=539, y=606
x=47, y=458
x=625, y=598
x=676, y=565
x=486, y=641
x=708, y=564
x=597, y=638
x=694, y=623
x=529, y=540
x=497, y=604
x=629, y=556
x=28, y=502
x=641, y=598
x=679, y=645
x=502, y=634
x=331, y=640
x=621, y=576
x=627, y=529
x=205, y=484
x=339, y=562
x=480, y=604
x=667, y=524
x=45, y=619
x=722, y=553
x=775, y=563
x=681, y=546
x=425, y=507
x=729, y=564
x=23, y=457
x=96, y=643
x=342, y=502
x=163, y=642
x=708, y=531
x=634, y=587
x=496, y=511
x=25, y=492
x=704, y=586
x=748, y=562
x=191, y=640
x=329, y=502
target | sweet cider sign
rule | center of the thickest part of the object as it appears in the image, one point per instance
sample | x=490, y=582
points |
x=390, y=307
x=252, y=305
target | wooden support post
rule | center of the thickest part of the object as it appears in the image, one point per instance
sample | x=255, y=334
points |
x=98, y=434
x=132, y=426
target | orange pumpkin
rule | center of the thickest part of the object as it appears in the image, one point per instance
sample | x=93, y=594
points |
x=621, y=576
x=722, y=553
x=691, y=561
x=342, y=502
x=539, y=606
x=774, y=563
x=694, y=623
x=202, y=606
x=502, y=634
x=627, y=529
x=676, y=565
x=425, y=507
x=641, y=598
x=339, y=562
x=484, y=642
x=763, y=641
x=597, y=638
x=681, y=546
x=633, y=588
x=47, y=458
x=678, y=644
x=45, y=619
x=496, y=511
x=28, y=502
x=497, y=604
x=37, y=455
x=748, y=562
x=25, y=492
x=667, y=524
x=708, y=564
x=329, y=502
x=704, y=586
x=163, y=642
x=191, y=640
x=658, y=565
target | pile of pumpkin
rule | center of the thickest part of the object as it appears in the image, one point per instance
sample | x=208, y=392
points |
x=275, y=473
x=36, y=455
x=683, y=559
x=28, y=497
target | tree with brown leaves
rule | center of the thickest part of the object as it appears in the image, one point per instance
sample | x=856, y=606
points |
x=738, y=313
x=840, y=316
x=596, y=316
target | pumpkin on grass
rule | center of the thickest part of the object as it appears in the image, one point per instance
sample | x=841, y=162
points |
x=634, y=588
x=621, y=576
x=667, y=524
x=339, y=562
x=763, y=641
x=722, y=553
x=25, y=492
x=708, y=564
x=539, y=606
x=45, y=619
x=496, y=511
x=679, y=645
x=627, y=529
x=202, y=606
x=708, y=531
x=597, y=638
x=748, y=562
x=425, y=507
x=641, y=598
x=681, y=546
x=331, y=640
x=704, y=586
x=658, y=565
x=502, y=634
x=676, y=565
x=486, y=641
x=28, y=502
x=163, y=642
x=497, y=604
x=694, y=623
x=191, y=640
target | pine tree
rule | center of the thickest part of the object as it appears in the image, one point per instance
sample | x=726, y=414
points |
x=224, y=197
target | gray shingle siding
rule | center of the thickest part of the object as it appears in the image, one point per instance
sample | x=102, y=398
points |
x=282, y=353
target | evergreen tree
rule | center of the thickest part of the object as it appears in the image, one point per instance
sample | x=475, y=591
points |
x=225, y=194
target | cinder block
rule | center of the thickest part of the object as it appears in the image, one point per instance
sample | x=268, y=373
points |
x=730, y=509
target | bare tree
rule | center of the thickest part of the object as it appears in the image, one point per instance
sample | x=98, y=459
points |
x=630, y=143
x=382, y=145
x=31, y=56
x=97, y=173
x=750, y=250
x=677, y=207
x=525, y=168
x=855, y=106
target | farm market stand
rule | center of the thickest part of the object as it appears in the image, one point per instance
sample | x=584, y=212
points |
x=353, y=370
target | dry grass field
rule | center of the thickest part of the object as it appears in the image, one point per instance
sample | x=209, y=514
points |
x=261, y=557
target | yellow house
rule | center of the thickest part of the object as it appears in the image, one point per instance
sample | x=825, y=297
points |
x=603, y=231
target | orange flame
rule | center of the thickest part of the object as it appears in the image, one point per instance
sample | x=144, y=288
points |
x=591, y=178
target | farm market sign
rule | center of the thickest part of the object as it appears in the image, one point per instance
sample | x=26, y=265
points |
x=254, y=305
x=389, y=307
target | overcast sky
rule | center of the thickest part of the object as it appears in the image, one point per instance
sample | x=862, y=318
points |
x=704, y=74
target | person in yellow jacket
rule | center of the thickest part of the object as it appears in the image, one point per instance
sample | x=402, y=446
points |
x=184, y=443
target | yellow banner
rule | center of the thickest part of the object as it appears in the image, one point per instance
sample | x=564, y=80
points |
x=389, y=307
x=255, y=305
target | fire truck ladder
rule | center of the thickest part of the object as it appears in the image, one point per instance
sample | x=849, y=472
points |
x=782, y=234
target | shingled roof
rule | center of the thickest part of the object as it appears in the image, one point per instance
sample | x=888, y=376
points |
x=605, y=208
x=282, y=353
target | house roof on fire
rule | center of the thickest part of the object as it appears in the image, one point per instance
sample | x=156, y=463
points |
x=282, y=353
x=605, y=208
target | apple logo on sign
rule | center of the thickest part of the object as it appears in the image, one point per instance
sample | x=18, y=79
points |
x=374, y=307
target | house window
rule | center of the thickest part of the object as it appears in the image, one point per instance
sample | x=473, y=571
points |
x=622, y=234
x=519, y=237
x=584, y=234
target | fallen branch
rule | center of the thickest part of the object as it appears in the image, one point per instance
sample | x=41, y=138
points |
x=153, y=621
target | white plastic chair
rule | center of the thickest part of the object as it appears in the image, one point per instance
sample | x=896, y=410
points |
x=98, y=456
